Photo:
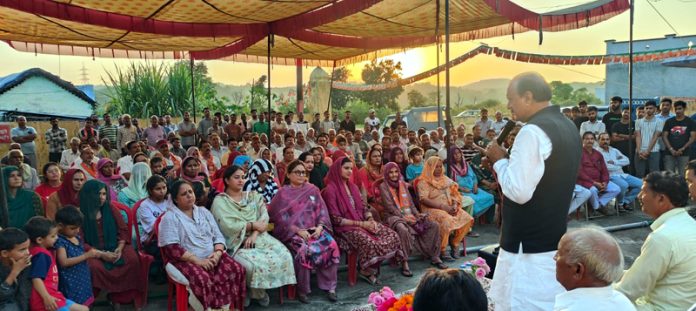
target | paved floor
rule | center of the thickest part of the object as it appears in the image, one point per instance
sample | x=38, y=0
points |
x=350, y=297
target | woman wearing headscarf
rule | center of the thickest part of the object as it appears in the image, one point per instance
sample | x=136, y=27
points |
x=191, y=241
x=242, y=217
x=440, y=199
x=397, y=156
x=355, y=228
x=136, y=185
x=260, y=180
x=288, y=156
x=22, y=204
x=52, y=179
x=196, y=153
x=302, y=223
x=369, y=178
x=243, y=161
x=465, y=177
x=117, y=268
x=191, y=171
x=67, y=194
x=105, y=173
x=320, y=169
x=416, y=230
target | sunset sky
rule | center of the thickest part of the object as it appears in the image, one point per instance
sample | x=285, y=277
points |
x=584, y=41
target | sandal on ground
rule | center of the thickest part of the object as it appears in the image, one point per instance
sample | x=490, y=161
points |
x=303, y=298
x=473, y=234
x=406, y=273
x=332, y=296
x=446, y=257
x=370, y=279
x=439, y=265
x=265, y=301
x=454, y=252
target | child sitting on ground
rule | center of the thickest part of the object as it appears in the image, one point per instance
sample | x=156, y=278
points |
x=75, y=278
x=15, y=286
x=45, y=295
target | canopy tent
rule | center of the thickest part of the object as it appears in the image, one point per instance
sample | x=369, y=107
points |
x=320, y=32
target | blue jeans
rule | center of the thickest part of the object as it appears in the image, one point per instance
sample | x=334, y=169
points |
x=652, y=163
x=630, y=187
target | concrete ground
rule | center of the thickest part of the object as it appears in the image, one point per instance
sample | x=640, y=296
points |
x=350, y=297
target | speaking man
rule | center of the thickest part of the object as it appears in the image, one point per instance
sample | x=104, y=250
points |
x=537, y=180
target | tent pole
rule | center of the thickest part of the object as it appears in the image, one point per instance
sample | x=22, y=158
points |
x=448, y=123
x=437, y=54
x=298, y=87
x=193, y=90
x=268, y=68
x=331, y=81
x=630, y=75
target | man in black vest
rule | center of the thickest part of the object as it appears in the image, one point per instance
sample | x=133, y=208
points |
x=537, y=180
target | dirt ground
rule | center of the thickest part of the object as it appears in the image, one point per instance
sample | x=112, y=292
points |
x=351, y=297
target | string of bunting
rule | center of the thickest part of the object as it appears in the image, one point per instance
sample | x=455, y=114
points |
x=651, y=56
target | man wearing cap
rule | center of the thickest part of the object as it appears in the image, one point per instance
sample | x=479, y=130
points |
x=56, y=137
x=372, y=120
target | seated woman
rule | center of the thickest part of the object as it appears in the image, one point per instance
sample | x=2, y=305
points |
x=462, y=173
x=243, y=220
x=30, y=179
x=22, y=204
x=397, y=156
x=265, y=153
x=191, y=171
x=192, y=242
x=117, y=268
x=320, y=169
x=196, y=153
x=440, y=199
x=302, y=223
x=260, y=180
x=415, y=230
x=243, y=161
x=355, y=228
x=67, y=194
x=105, y=173
x=288, y=156
x=52, y=176
x=135, y=191
x=151, y=208
x=369, y=178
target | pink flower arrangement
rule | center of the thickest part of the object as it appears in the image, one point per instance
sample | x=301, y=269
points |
x=479, y=267
x=380, y=297
x=386, y=300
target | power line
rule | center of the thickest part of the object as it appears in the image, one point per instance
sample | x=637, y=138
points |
x=662, y=16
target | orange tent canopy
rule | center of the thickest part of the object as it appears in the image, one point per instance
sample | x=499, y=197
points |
x=321, y=32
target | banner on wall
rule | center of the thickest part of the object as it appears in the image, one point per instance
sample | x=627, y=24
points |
x=5, y=133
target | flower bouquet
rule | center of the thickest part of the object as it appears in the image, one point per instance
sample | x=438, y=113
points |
x=477, y=267
x=386, y=300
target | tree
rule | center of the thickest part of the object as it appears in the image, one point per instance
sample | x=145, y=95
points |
x=385, y=71
x=564, y=95
x=488, y=103
x=340, y=98
x=416, y=99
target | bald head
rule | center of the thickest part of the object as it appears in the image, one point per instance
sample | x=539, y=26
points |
x=533, y=83
x=594, y=253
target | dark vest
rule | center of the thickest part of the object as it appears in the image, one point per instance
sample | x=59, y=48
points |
x=540, y=223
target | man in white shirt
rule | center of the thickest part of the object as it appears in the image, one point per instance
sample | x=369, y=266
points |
x=70, y=155
x=279, y=126
x=125, y=163
x=499, y=123
x=87, y=163
x=372, y=121
x=289, y=141
x=326, y=125
x=615, y=161
x=648, y=133
x=663, y=277
x=435, y=141
x=536, y=180
x=592, y=125
x=588, y=261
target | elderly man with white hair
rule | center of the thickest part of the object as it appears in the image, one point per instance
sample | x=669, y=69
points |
x=588, y=261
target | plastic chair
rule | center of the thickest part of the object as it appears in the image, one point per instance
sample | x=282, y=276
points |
x=173, y=287
x=352, y=259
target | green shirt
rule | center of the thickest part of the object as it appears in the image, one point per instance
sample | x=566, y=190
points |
x=663, y=277
x=261, y=127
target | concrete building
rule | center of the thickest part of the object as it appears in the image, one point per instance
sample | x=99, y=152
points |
x=651, y=79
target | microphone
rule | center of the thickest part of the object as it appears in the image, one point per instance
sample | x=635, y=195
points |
x=505, y=132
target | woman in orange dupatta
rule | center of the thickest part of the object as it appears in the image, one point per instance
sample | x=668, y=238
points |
x=440, y=198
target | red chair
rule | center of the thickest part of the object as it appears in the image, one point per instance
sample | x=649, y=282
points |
x=352, y=258
x=173, y=287
x=145, y=259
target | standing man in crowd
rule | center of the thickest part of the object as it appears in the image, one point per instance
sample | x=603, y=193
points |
x=623, y=137
x=25, y=135
x=347, y=124
x=537, y=180
x=261, y=126
x=648, y=132
x=55, y=138
x=88, y=131
x=592, y=124
x=372, y=120
x=663, y=277
x=253, y=120
x=678, y=134
x=581, y=115
x=398, y=120
x=484, y=123
x=326, y=124
x=614, y=114
x=205, y=123
x=154, y=132
x=168, y=124
x=126, y=133
x=187, y=131
x=232, y=129
x=108, y=130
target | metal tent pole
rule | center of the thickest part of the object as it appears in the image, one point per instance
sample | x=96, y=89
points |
x=437, y=54
x=630, y=78
x=268, y=46
x=448, y=114
x=298, y=87
x=193, y=90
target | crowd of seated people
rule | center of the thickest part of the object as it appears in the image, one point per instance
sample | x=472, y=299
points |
x=267, y=213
